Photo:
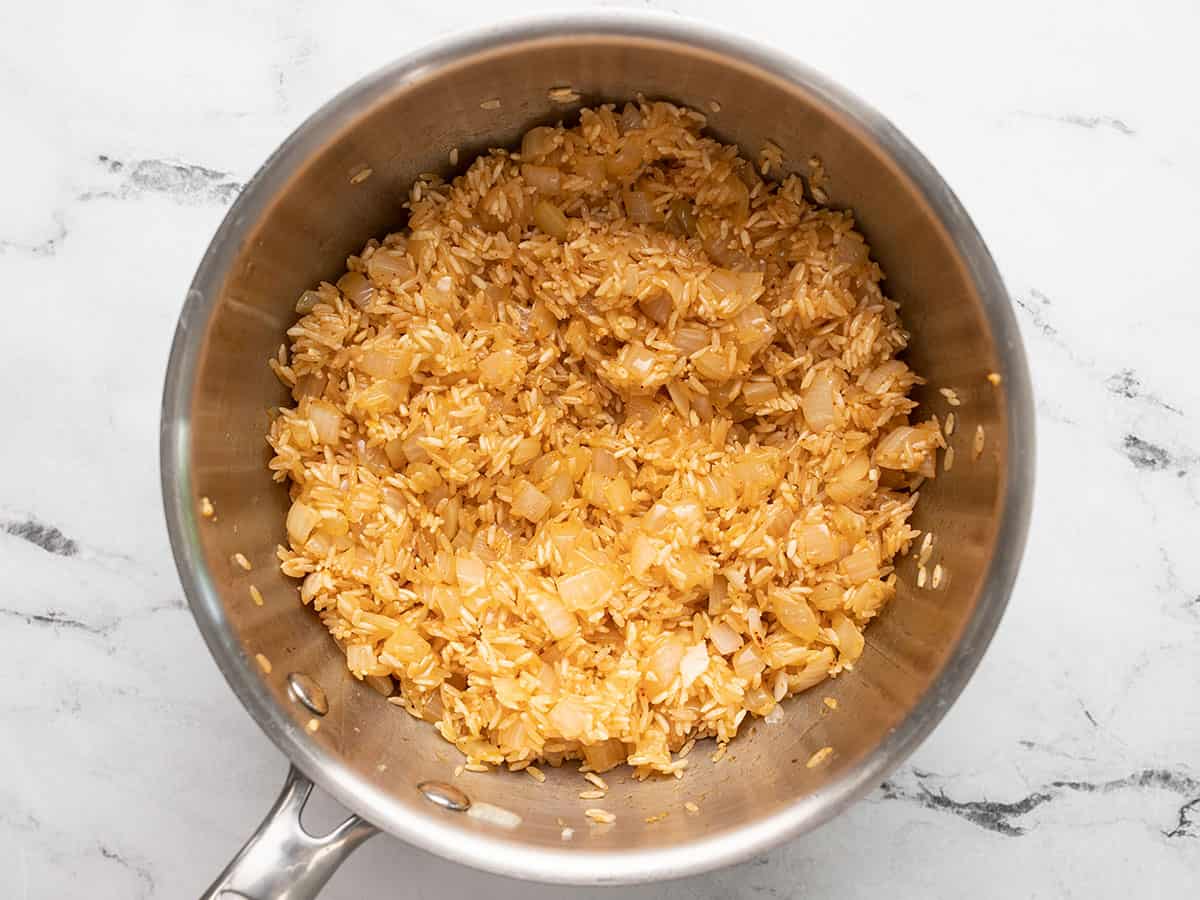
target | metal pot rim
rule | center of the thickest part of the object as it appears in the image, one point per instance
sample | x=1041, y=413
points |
x=574, y=864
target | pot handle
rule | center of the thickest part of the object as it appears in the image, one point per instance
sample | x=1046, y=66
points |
x=282, y=861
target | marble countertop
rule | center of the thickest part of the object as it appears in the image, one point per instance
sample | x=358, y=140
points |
x=1070, y=767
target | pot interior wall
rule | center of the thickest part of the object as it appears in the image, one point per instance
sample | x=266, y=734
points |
x=319, y=216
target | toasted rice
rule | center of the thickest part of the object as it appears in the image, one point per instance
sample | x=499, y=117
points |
x=606, y=450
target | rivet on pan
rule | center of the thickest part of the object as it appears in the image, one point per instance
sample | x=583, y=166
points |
x=308, y=693
x=444, y=795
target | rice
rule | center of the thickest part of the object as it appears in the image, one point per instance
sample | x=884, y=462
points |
x=819, y=757
x=607, y=450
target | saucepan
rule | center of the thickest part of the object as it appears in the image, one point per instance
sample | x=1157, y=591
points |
x=340, y=179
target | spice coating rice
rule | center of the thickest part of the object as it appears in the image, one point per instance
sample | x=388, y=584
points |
x=607, y=449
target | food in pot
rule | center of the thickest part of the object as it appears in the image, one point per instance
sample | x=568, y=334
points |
x=608, y=449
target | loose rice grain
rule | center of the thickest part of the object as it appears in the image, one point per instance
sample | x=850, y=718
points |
x=819, y=757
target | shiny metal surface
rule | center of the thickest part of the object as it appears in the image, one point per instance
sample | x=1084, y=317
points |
x=282, y=861
x=295, y=223
x=447, y=796
x=305, y=691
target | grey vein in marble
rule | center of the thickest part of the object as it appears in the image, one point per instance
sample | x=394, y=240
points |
x=1111, y=123
x=41, y=535
x=184, y=182
x=1003, y=817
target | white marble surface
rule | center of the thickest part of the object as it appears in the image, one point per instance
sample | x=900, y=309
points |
x=1071, y=765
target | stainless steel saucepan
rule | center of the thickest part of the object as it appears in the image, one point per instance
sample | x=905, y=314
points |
x=311, y=205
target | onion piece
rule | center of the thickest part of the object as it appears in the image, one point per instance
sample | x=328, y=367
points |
x=559, y=620
x=356, y=288
x=307, y=301
x=545, y=179
x=794, y=614
x=604, y=755
x=570, y=717
x=817, y=544
x=693, y=663
x=724, y=638
x=530, y=503
x=850, y=639
x=550, y=219
x=588, y=590
x=326, y=419
x=639, y=207
x=406, y=646
x=301, y=520
x=470, y=572
x=628, y=159
x=538, y=142
x=862, y=565
x=748, y=662
x=817, y=401
x=690, y=337
x=657, y=307
x=388, y=266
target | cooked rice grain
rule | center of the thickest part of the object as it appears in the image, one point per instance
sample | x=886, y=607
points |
x=607, y=449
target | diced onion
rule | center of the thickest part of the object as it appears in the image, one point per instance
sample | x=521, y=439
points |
x=631, y=118
x=639, y=207
x=657, y=307
x=817, y=544
x=817, y=401
x=794, y=614
x=883, y=376
x=861, y=565
x=387, y=266
x=301, y=520
x=559, y=620
x=629, y=158
x=326, y=419
x=605, y=755
x=356, y=288
x=570, y=717
x=693, y=663
x=724, y=638
x=406, y=645
x=748, y=662
x=307, y=301
x=714, y=364
x=827, y=596
x=850, y=639
x=718, y=595
x=470, y=571
x=501, y=368
x=759, y=392
x=587, y=590
x=538, y=142
x=530, y=503
x=526, y=451
x=664, y=664
x=550, y=219
x=690, y=337
x=545, y=179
